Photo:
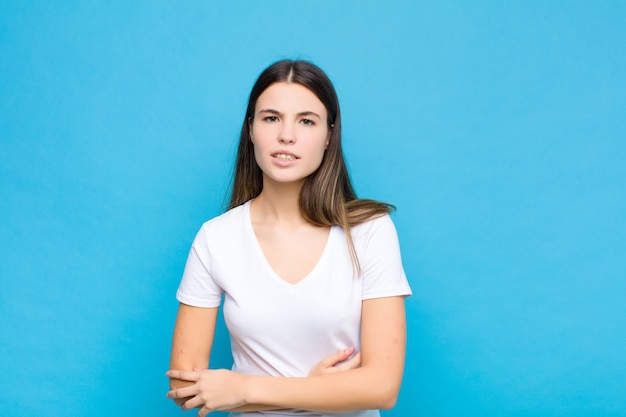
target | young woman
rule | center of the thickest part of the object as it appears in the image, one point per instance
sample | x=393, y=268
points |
x=311, y=276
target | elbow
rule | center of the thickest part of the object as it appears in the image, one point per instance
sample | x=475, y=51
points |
x=387, y=402
x=383, y=390
x=386, y=397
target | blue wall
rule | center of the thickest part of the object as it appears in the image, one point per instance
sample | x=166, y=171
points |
x=497, y=128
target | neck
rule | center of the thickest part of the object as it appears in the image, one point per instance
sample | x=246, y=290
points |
x=278, y=203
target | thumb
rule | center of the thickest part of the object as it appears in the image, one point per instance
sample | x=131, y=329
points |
x=338, y=356
x=352, y=363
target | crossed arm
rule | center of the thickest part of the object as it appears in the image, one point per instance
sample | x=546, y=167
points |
x=372, y=385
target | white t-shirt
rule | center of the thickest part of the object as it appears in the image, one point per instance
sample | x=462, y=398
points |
x=282, y=329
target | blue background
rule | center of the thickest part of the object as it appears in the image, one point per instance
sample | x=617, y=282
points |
x=497, y=128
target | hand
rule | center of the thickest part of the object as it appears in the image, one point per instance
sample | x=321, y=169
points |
x=328, y=365
x=176, y=383
x=181, y=401
x=212, y=390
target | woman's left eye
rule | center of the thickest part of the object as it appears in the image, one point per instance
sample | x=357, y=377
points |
x=307, y=122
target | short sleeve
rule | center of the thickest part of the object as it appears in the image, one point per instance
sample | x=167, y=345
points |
x=380, y=259
x=197, y=287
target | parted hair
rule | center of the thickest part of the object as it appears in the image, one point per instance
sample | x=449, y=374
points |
x=327, y=197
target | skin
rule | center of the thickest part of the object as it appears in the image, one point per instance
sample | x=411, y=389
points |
x=290, y=120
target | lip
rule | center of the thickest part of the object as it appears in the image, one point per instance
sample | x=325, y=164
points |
x=284, y=162
x=284, y=153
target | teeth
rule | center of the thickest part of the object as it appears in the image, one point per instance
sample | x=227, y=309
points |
x=284, y=157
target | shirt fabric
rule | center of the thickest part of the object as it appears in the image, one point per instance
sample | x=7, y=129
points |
x=282, y=329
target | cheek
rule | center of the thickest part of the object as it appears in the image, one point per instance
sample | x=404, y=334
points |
x=318, y=149
x=262, y=134
x=323, y=143
x=253, y=133
x=257, y=152
x=258, y=139
x=255, y=142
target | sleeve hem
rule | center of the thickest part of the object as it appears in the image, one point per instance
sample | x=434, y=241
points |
x=195, y=302
x=390, y=292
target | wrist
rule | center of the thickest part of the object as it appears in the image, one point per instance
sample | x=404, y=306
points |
x=257, y=390
x=248, y=382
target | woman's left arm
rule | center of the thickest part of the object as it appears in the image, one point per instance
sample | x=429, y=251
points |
x=374, y=385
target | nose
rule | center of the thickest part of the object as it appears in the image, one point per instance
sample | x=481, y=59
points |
x=287, y=134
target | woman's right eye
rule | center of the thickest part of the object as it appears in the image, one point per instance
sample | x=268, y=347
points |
x=270, y=119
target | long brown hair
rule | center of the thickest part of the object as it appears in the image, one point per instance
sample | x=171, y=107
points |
x=327, y=197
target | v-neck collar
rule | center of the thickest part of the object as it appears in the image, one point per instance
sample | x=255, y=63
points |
x=261, y=255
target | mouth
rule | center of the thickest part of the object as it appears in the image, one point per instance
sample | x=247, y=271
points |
x=285, y=156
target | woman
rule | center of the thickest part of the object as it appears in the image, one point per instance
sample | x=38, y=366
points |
x=311, y=276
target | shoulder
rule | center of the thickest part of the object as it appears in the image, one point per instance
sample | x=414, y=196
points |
x=235, y=215
x=224, y=225
x=373, y=226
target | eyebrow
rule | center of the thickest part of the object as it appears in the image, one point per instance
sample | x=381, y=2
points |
x=303, y=113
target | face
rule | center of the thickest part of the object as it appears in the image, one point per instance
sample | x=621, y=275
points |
x=289, y=132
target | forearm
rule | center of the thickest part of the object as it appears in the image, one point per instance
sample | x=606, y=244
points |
x=248, y=408
x=179, y=360
x=192, y=341
x=358, y=389
x=184, y=362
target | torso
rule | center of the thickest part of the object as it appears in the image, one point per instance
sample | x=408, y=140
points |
x=278, y=328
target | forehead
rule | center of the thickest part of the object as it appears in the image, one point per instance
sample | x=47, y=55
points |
x=289, y=97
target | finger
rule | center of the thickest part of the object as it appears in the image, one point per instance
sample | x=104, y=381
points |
x=337, y=357
x=352, y=363
x=190, y=391
x=183, y=375
x=195, y=402
x=204, y=411
x=180, y=401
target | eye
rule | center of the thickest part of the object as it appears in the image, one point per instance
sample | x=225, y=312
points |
x=270, y=119
x=307, y=122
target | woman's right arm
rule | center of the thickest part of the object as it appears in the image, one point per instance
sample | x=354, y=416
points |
x=192, y=341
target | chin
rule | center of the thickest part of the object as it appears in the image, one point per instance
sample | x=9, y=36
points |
x=285, y=179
